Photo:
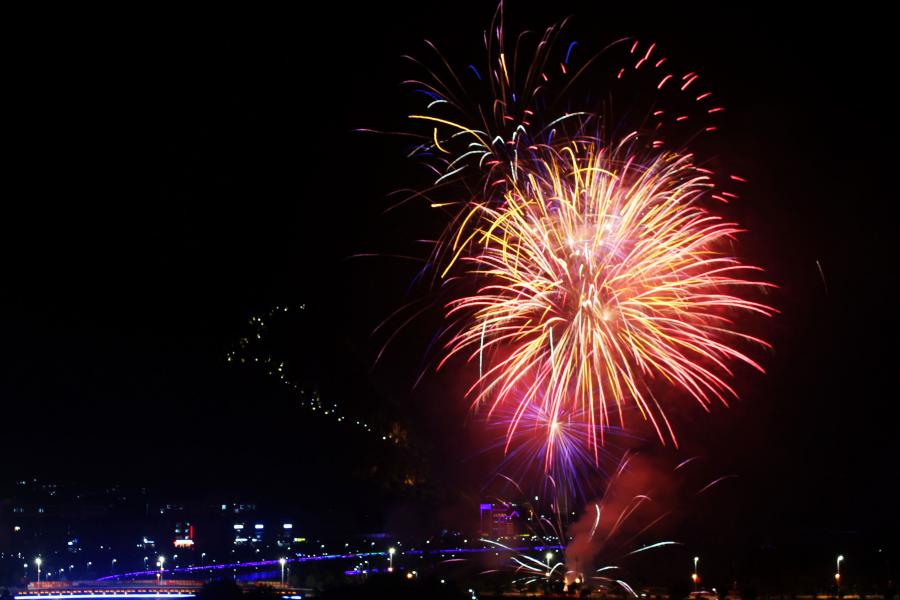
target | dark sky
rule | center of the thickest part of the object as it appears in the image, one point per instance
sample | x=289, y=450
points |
x=164, y=180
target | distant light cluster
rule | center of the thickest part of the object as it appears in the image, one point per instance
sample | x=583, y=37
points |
x=251, y=349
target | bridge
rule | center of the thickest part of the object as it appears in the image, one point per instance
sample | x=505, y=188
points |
x=167, y=588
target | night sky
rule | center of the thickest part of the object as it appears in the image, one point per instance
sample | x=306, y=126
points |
x=165, y=181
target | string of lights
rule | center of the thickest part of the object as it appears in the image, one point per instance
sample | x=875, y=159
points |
x=251, y=349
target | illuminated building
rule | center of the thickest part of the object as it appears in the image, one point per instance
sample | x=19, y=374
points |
x=184, y=535
x=286, y=535
x=498, y=520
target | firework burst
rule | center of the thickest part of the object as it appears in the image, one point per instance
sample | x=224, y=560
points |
x=596, y=270
x=559, y=443
x=600, y=272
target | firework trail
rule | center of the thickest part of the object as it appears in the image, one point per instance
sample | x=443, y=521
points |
x=548, y=534
x=610, y=531
x=592, y=269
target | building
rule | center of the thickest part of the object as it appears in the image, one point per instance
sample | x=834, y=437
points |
x=500, y=520
x=184, y=535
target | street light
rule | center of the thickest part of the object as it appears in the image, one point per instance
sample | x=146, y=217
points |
x=696, y=559
x=282, y=561
x=837, y=577
x=145, y=562
x=38, y=563
x=162, y=559
x=391, y=568
x=113, y=566
x=202, y=558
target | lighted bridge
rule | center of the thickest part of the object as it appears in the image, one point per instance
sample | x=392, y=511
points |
x=77, y=590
